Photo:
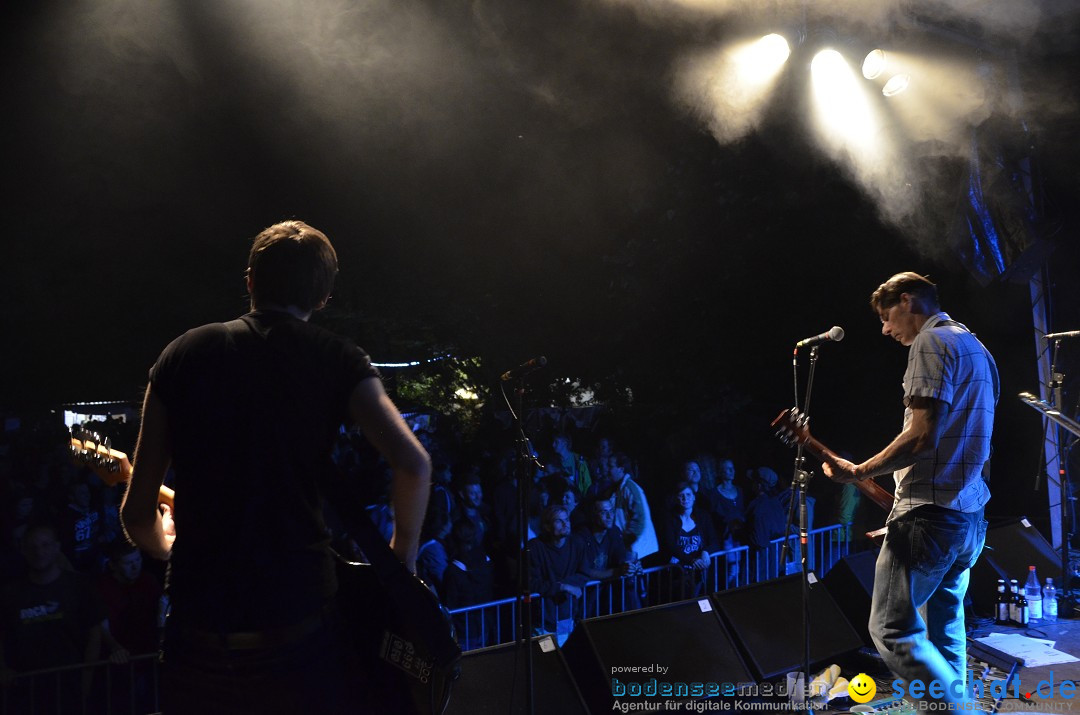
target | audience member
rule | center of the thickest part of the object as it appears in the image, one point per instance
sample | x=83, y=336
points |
x=598, y=465
x=570, y=498
x=557, y=571
x=605, y=554
x=133, y=600
x=433, y=558
x=468, y=581
x=50, y=617
x=471, y=506
x=605, y=551
x=687, y=538
x=571, y=465
x=632, y=514
x=765, y=519
x=82, y=536
x=727, y=504
x=691, y=474
x=442, y=498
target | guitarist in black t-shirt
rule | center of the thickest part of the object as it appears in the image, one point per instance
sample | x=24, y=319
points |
x=245, y=413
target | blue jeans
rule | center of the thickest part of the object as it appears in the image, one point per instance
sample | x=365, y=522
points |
x=917, y=615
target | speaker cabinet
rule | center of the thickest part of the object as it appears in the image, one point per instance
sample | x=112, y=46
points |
x=493, y=682
x=851, y=584
x=767, y=620
x=633, y=657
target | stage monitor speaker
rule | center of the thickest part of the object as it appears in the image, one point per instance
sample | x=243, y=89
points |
x=493, y=682
x=1011, y=547
x=647, y=650
x=851, y=583
x=767, y=620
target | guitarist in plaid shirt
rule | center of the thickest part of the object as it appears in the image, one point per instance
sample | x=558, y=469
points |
x=936, y=529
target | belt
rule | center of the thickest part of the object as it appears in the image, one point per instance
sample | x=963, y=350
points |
x=250, y=640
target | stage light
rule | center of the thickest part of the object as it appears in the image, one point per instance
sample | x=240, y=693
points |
x=774, y=49
x=896, y=84
x=874, y=64
x=828, y=68
x=760, y=61
x=730, y=85
x=843, y=110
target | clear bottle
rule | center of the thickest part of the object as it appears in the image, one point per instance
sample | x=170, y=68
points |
x=1014, y=601
x=1050, y=604
x=1002, y=606
x=1033, y=594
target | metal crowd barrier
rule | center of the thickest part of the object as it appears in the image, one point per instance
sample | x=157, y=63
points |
x=99, y=688
x=102, y=688
x=493, y=623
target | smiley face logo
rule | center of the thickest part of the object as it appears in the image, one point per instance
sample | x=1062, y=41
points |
x=862, y=688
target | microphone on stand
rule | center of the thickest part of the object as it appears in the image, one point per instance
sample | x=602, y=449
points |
x=834, y=334
x=1066, y=334
x=524, y=369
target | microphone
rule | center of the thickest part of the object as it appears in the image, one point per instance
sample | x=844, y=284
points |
x=835, y=334
x=1066, y=334
x=524, y=369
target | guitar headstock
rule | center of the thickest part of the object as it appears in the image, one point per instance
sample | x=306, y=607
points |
x=792, y=427
x=89, y=449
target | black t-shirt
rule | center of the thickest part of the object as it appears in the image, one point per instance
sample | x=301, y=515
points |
x=253, y=407
x=45, y=626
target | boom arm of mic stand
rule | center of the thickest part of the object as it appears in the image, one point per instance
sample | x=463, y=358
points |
x=1050, y=413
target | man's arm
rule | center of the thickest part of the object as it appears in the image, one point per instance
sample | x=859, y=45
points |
x=920, y=437
x=381, y=423
x=139, y=513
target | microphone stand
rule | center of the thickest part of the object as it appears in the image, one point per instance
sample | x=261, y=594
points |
x=1057, y=380
x=524, y=596
x=801, y=480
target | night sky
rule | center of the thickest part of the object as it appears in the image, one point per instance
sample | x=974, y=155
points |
x=512, y=178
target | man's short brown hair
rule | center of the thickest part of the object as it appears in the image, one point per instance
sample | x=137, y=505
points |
x=292, y=263
x=888, y=293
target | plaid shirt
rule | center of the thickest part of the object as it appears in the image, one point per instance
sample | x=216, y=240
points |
x=948, y=363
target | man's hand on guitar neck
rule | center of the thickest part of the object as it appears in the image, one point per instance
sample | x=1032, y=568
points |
x=839, y=469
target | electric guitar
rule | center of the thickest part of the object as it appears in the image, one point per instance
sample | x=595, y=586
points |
x=793, y=427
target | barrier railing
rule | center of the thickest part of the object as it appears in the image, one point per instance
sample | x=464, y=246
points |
x=493, y=623
x=100, y=688
x=131, y=689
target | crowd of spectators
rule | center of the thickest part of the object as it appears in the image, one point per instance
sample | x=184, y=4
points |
x=591, y=515
x=74, y=590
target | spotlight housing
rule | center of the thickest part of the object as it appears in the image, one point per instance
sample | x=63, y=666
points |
x=874, y=64
x=896, y=84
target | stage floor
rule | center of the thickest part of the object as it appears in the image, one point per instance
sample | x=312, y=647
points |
x=1035, y=693
x=1066, y=637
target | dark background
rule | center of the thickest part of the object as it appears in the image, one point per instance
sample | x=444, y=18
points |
x=510, y=179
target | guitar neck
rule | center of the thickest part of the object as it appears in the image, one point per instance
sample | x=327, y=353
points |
x=118, y=467
x=871, y=489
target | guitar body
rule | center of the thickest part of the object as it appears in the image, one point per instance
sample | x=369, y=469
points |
x=411, y=661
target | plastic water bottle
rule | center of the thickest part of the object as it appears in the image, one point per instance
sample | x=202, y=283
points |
x=1050, y=604
x=1034, y=596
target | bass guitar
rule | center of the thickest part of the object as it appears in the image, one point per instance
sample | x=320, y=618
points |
x=793, y=427
x=89, y=449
